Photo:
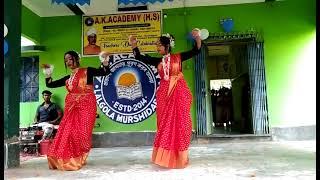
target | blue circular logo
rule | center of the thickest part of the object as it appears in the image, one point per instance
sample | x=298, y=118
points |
x=127, y=94
x=89, y=21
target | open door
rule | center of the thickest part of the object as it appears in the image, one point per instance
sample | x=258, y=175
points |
x=202, y=95
x=257, y=78
x=249, y=88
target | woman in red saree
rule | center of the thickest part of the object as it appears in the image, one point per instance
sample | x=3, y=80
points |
x=71, y=145
x=174, y=125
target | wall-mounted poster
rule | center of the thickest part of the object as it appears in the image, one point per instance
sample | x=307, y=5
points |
x=111, y=32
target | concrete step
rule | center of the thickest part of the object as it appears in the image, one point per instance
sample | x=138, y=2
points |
x=218, y=138
x=130, y=139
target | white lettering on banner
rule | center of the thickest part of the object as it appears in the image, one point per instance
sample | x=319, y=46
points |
x=136, y=118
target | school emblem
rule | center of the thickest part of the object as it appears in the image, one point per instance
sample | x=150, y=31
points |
x=127, y=94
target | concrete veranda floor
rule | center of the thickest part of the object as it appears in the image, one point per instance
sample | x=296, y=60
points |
x=223, y=160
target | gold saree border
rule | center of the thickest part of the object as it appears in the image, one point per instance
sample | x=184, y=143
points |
x=71, y=164
x=173, y=83
x=173, y=159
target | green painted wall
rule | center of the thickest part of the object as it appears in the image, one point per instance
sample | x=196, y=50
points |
x=30, y=28
x=288, y=28
x=60, y=34
x=31, y=24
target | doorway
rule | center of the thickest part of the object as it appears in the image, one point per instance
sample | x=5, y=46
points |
x=227, y=72
x=221, y=105
x=232, y=88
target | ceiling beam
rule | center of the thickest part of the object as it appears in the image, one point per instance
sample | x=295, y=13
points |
x=133, y=8
x=75, y=9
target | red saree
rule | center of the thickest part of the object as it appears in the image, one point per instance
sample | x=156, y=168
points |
x=174, y=125
x=71, y=146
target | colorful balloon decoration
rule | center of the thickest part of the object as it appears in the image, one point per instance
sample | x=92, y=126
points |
x=204, y=34
x=5, y=47
x=5, y=30
x=5, y=44
x=227, y=24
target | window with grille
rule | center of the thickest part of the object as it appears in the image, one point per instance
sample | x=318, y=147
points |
x=29, y=79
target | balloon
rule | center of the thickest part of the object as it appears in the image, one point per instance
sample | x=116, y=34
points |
x=204, y=34
x=190, y=37
x=227, y=25
x=5, y=30
x=5, y=47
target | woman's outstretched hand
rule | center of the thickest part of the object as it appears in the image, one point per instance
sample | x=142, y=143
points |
x=104, y=58
x=196, y=35
x=133, y=41
x=47, y=70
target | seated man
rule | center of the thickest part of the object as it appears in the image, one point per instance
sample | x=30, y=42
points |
x=48, y=114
